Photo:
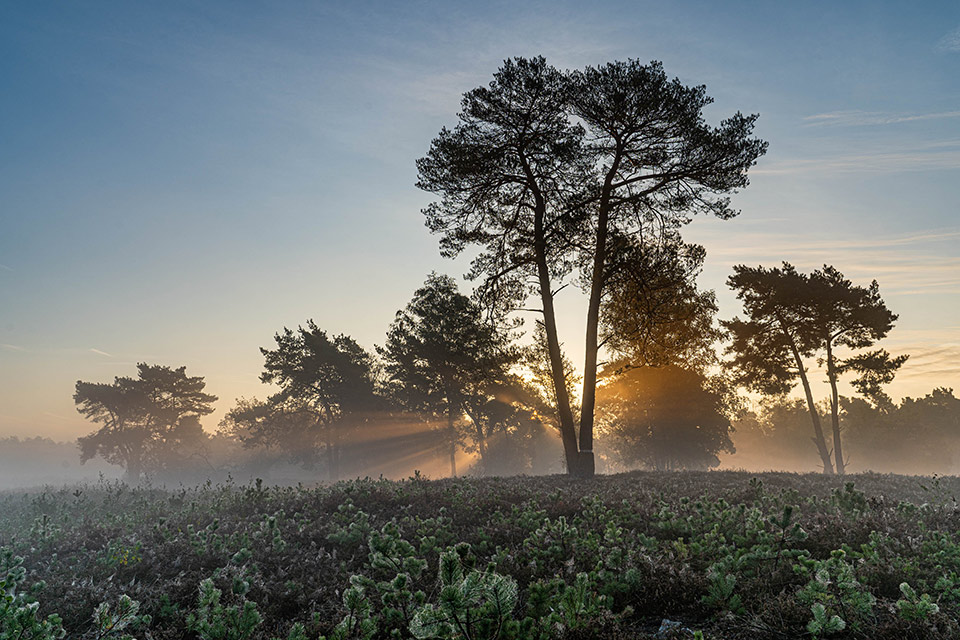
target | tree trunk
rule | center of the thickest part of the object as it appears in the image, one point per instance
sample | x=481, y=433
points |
x=331, y=456
x=567, y=429
x=819, y=440
x=587, y=463
x=835, y=410
x=479, y=436
x=134, y=469
x=452, y=434
x=481, y=443
x=478, y=429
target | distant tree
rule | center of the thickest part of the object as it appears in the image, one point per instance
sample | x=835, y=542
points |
x=289, y=428
x=327, y=390
x=770, y=347
x=855, y=318
x=930, y=424
x=545, y=168
x=666, y=418
x=142, y=419
x=918, y=435
x=538, y=375
x=792, y=317
x=774, y=435
x=654, y=314
x=443, y=359
x=187, y=446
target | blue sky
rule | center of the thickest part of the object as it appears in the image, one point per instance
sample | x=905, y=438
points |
x=178, y=181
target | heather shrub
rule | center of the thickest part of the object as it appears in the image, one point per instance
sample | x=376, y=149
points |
x=727, y=554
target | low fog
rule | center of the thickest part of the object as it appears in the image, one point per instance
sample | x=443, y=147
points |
x=918, y=436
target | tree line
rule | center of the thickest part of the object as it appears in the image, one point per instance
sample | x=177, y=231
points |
x=554, y=178
x=443, y=366
x=448, y=381
x=914, y=436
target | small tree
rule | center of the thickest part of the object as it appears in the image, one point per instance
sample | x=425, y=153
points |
x=665, y=418
x=792, y=317
x=442, y=359
x=846, y=315
x=327, y=387
x=142, y=419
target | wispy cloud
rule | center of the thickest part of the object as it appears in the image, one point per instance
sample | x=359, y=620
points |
x=906, y=264
x=950, y=42
x=942, y=154
x=4, y=267
x=928, y=361
x=833, y=244
x=857, y=118
x=12, y=347
x=102, y=353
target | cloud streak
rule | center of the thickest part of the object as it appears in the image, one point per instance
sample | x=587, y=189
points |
x=943, y=154
x=906, y=264
x=931, y=361
x=950, y=42
x=856, y=118
x=102, y=353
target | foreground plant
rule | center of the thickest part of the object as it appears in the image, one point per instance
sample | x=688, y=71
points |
x=112, y=622
x=19, y=611
x=215, y=621
x=476, y=605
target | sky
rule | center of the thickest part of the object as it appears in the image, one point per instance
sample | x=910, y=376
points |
x=181, y=180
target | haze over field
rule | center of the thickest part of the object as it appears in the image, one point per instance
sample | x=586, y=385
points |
x=178, y=183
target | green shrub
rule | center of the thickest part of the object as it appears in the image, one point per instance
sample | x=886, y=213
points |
x=19, y=610
x=215, y=621
x=474, y=605
x=113, y=622
x=914, y=607
x=833, y=585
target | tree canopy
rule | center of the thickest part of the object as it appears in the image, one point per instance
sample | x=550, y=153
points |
x=546, y=169
x=666, y=418
x=792, y=317
x=653, y=313
x=443, y=359
x=143, y=419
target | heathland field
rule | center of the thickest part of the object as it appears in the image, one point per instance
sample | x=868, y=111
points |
x=641, y=555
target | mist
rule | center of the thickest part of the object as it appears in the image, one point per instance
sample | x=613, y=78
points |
x=917, y=436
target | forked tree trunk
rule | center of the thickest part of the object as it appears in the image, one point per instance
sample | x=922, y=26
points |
x=818, y=438
x=835, y=411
